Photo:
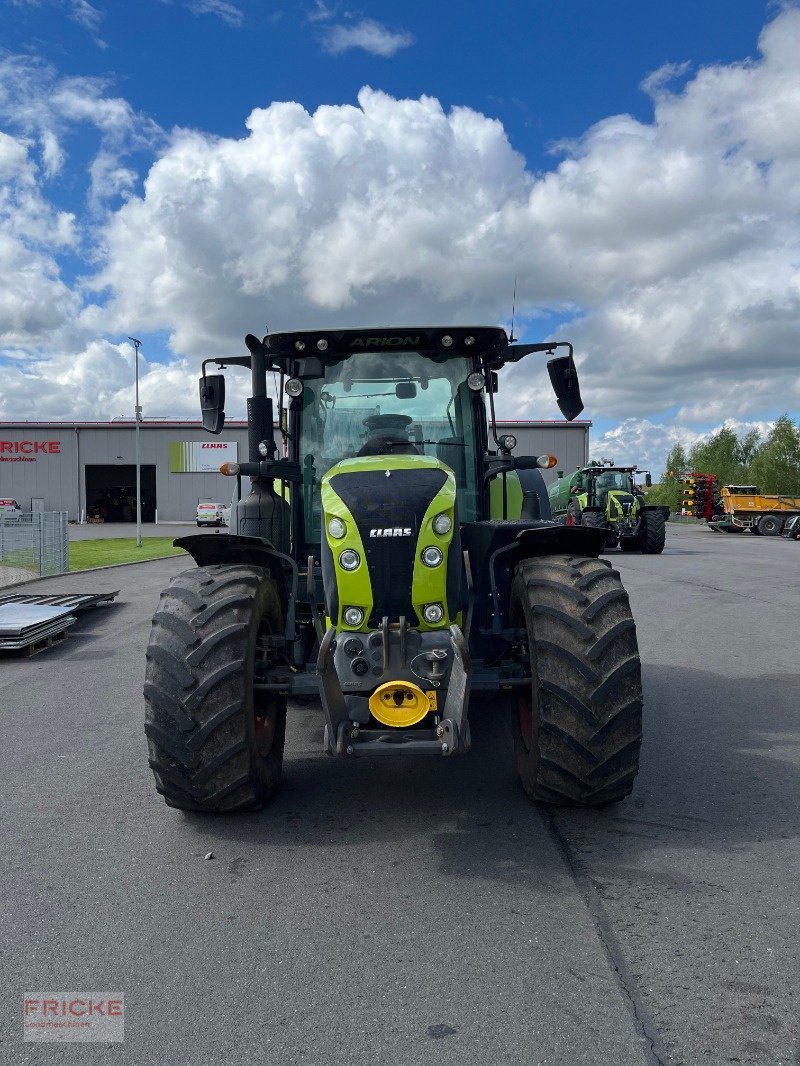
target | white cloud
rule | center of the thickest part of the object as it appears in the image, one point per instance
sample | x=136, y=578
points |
x=647, y=444
x=220, y=8
x=673, y=245
x=320, y=12
x=82, y=12
x=40, y=105
x=368, y=35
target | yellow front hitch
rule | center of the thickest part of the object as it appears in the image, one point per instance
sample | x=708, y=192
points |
x=401, y=703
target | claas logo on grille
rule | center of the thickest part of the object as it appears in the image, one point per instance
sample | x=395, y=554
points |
x=391, y=531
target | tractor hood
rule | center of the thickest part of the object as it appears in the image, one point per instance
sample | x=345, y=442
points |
x=380, y=551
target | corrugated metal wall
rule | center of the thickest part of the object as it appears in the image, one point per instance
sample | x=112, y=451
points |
x=59, y=477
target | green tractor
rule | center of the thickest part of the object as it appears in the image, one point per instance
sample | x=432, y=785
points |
x=397, y=563
x=604, y=496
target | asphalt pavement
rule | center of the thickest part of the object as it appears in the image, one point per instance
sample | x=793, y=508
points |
x=420, y=911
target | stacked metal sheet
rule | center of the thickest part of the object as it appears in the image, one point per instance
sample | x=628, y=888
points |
x=76, y=601
x=25, y=625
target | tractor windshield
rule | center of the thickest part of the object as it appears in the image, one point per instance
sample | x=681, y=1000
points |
x=389, y=403
x=612, y=481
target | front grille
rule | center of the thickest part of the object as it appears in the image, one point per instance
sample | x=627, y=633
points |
x=397, y=502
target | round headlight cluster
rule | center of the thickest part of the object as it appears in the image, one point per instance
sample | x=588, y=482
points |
x=432, y=556
x=476, y=381
x=336, y=528
x=322, y=344
x=433, y=612
x=508, y=442
x=349, y=559
x=442, y=524
x=293, y=387
x=300, y=346
x=353, y=616
x=447, y=341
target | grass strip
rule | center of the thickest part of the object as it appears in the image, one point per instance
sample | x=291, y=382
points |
x=84, y=554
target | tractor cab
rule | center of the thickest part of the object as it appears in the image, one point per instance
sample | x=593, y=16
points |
x=602, y=480
x=389, y=404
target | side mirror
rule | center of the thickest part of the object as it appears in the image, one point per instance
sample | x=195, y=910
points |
x=648, y=481
x=212, y=402
x=564, y=377
x=405, y=390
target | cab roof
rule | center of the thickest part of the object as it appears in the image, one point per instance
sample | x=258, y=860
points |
x=436, y=342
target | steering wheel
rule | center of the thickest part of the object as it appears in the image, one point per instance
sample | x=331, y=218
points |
x=389, y=424
x=387, y=435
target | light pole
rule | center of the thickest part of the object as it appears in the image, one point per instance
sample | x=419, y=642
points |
x=138, y=416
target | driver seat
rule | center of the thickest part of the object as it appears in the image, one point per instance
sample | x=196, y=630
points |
x=388, y=445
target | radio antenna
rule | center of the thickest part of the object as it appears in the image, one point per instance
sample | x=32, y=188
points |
x=512, y=338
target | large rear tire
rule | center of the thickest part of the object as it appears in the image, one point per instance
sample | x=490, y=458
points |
x=216, y=743
x=654, y=533
x=578, y=729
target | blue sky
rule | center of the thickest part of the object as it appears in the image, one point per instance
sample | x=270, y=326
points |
x=627, y=162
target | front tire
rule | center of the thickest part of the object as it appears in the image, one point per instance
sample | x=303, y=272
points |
x=216, y=743
x=654, y=533
x=578, y=729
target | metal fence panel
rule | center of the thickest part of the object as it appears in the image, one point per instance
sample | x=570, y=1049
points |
x=33, y=544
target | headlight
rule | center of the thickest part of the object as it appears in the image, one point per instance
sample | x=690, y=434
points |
x=431, y=556
x=322, y=344
x=293, y=387
x=434, y=612
x=353, y=616
x=442, y=524
x=336, y=528
x=349, y=559
x=476, y=381
x=263, y=449
x=508, y=442
x=447, y=341
x=300, y=346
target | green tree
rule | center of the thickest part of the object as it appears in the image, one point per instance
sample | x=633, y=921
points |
x=668, y=490
x=775, y=466
x=722, y=454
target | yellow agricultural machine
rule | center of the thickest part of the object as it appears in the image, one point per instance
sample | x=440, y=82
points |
x=743, y=507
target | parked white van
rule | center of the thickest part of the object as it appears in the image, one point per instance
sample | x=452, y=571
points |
x=10, y=510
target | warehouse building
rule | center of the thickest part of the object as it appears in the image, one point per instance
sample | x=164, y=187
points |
x=88, y=468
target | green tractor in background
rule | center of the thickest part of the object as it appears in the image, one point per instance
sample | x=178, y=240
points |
x=397, y=563
x=604, y=496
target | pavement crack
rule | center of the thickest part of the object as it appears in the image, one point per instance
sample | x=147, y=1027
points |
x=627, y=983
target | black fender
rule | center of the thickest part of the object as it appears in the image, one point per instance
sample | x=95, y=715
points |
x=535, y=497
x=496, y=547
x=643, y=507
x=559, y=540
x=210, y=549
